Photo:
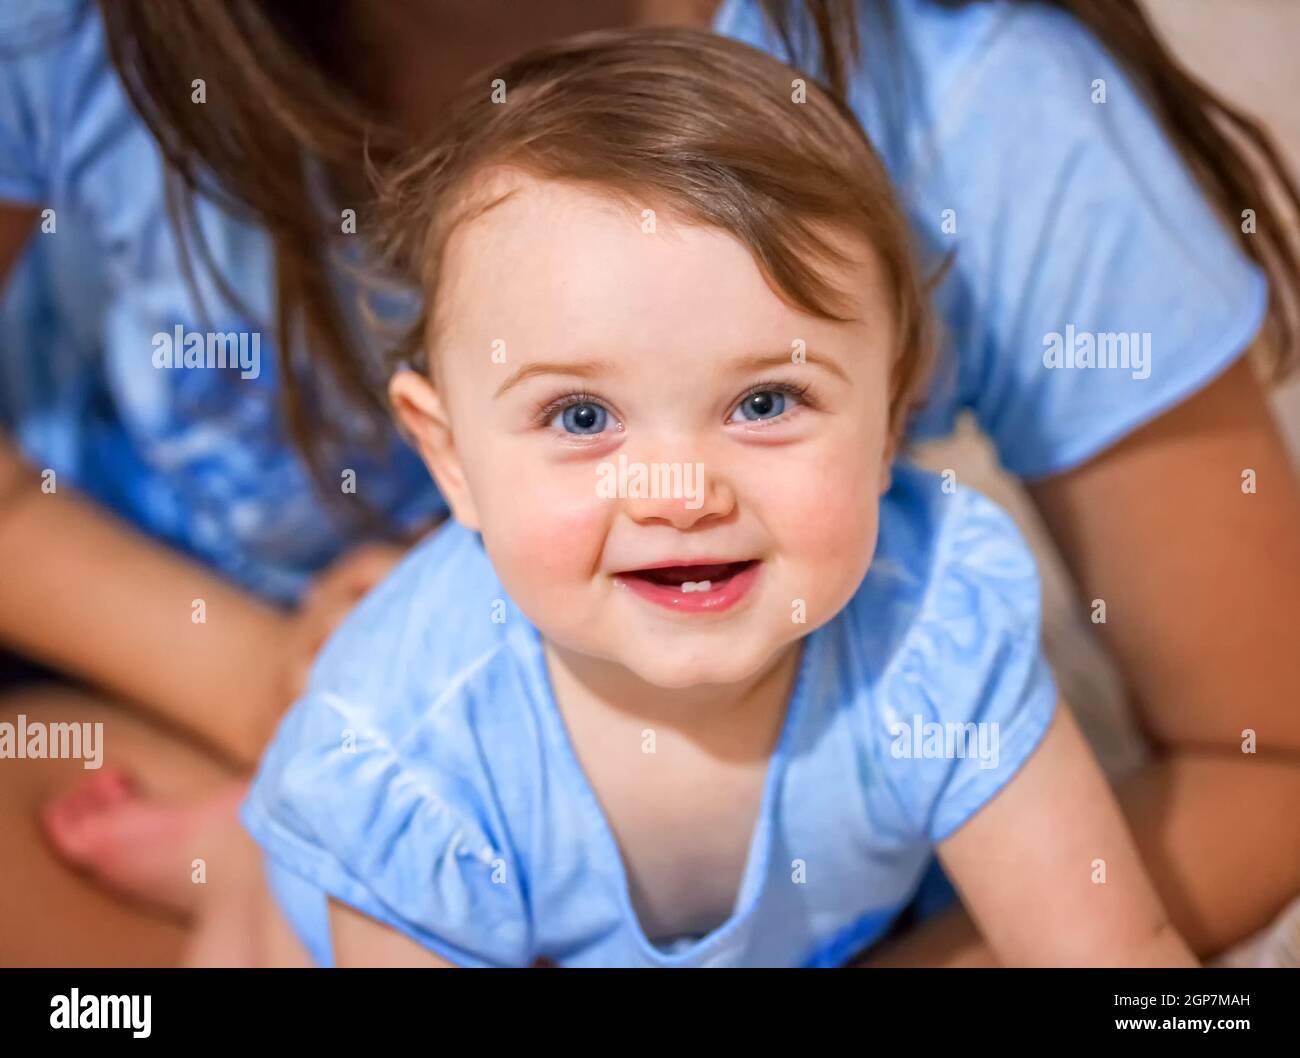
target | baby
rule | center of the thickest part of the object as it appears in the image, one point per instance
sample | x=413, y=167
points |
x=697, y=676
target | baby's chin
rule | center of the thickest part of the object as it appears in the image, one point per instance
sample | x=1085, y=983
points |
x=686, y=665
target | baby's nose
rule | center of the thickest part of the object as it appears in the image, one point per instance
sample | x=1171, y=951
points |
x=677, y=493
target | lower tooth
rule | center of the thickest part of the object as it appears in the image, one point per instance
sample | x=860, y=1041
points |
x=696, y=585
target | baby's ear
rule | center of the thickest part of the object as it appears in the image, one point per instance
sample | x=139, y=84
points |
x=423, y=418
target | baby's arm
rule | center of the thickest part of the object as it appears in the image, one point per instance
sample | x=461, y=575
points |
x=360, y=940
x=1025, y=867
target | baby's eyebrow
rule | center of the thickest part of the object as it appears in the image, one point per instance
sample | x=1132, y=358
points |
x=784, y=358
x=578, y=369
x=594, y=368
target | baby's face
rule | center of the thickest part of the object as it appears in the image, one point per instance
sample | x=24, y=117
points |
x=671, y=468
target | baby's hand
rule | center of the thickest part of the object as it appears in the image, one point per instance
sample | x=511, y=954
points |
x=331, y=597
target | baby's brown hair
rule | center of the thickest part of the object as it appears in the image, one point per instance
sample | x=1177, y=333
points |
x=704, y=127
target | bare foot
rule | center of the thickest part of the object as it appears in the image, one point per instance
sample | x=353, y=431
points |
x=136, y=844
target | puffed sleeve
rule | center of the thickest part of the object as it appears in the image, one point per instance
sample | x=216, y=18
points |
x=969, y=695
x=400, y=829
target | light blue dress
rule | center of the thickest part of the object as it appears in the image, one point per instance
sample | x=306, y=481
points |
x=426, y=777
x=1067, y=213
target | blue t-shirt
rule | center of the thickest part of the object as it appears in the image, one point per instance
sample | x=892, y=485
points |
x=427, y=778
x=1068, y=218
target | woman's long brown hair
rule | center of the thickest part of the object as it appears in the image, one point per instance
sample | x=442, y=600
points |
x=284, y=141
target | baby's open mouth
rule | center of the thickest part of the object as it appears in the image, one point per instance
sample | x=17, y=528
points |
x=693, y=586
x=691, y=578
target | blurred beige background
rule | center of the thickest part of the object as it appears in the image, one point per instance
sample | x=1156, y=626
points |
x=1249, y=51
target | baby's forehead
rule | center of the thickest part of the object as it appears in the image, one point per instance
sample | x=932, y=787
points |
x=555, y=266
x=507, y=203
x=564, y=245
x=515, y=229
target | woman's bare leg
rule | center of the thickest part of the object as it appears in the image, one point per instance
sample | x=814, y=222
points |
x=1220, y=835
x=50, y=914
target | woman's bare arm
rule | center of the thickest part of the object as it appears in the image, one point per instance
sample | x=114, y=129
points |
x=1201, y=580
x=83, y=591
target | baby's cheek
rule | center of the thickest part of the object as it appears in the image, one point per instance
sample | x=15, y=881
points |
x=827, y=527
x=550, y=536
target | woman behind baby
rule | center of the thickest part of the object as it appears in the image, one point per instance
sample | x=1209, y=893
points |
x=725, y=725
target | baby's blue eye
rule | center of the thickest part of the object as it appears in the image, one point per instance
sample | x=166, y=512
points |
x=582, y=418
x=765, y=404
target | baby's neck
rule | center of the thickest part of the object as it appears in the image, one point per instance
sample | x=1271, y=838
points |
x=734, y=721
